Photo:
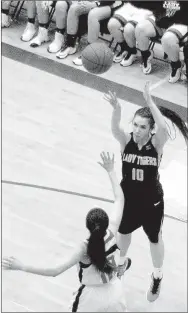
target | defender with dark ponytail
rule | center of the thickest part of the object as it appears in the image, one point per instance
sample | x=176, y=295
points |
x=141, y=152
x=97, y=222
x=97, y=258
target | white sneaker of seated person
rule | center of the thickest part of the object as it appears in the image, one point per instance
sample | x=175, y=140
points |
x=41, y=37
x=57, y=44
x=175, y=74
x=147, y=69
x=66, y=51
x=29, y=32
x=5, y=20
x=128, y=59
x=119, y=56
x=78, y=61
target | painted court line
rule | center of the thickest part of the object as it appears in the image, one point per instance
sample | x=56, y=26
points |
x=22, y=306
x=75, y=194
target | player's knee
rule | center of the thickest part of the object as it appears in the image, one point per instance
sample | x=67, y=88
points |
x=155, y=237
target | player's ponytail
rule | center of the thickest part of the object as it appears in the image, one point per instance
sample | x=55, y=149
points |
x=171, y=115
x=97, y=222
x=176, y=120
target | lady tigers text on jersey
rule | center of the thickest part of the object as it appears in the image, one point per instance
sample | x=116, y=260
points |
x=140, y=160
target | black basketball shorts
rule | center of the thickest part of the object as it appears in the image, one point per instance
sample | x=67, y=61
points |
x=139, y=213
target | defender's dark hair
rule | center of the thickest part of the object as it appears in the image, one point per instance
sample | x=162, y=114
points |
x=171, y=115
x=97, y=222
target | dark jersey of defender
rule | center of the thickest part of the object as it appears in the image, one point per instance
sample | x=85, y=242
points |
x=140, y=171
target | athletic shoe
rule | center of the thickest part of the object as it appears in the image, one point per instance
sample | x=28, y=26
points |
x=128, y=60
x=57, y=43
x=175, y=75
x=154, y=290
x=78, y=61
x=146, y=68
x=42, y=37
x=29, y=32
x=118, y=57
x=66, y=51
x=123, y=268
x=5, y=20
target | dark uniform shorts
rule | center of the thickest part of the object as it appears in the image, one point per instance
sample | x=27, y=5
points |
x=148, y=214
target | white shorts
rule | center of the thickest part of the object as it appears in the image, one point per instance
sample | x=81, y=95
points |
x=103, y=298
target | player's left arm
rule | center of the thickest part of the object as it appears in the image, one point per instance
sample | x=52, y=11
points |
x=161, y=135
x=13, y=264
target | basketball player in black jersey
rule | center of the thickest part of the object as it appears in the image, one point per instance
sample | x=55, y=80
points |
x=141, y=153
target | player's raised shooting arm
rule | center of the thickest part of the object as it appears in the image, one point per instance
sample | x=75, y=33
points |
x=14, y=264
x=161, y=135
x=117, y=131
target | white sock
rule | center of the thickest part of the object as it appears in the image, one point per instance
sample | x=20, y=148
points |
x=122, y=260
x=158, y=272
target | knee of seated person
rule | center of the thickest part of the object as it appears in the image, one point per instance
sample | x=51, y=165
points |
x=169, y=39
x=61, y=6
x=40, y=6
x=128, y=29
x=113, y=24
x=92, y=16
x=141, y=27
x=74, y=8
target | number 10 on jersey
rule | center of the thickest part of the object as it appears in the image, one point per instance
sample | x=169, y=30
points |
x=137, y=174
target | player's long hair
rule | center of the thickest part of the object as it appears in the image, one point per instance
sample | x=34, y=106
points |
x=171, y=115
x=97, y=223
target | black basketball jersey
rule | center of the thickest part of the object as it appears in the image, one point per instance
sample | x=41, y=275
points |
x=140, y=170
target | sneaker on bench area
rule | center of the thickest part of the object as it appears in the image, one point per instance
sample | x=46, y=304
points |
x=63, y=53
x=41, y=38
x=57, y=44
x=175, y=74
x=29, y=32
x=146, y=66
x=78, y=61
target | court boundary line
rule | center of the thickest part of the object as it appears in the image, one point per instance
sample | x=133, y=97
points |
x=74, y=193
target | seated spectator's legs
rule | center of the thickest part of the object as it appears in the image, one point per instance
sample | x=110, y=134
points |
x=61, y=11
x=30, y=29
x=145, y=30
x=95, y=16
x=43, y=17
x=5, y=18
x=115, y=28
x=170, y=44
x=129, y=35
x=76, y=10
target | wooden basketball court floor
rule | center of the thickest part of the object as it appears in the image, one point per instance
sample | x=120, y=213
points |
x=53, y=131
